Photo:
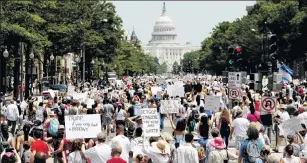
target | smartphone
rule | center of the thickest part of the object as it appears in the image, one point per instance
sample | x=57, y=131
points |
x=9, y=149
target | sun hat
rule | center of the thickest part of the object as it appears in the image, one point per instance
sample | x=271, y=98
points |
x=218, y=143
x=256, y=125
x=161, y=146
x=167, y=136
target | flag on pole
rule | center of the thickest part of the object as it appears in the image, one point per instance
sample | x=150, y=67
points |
x=286, y=73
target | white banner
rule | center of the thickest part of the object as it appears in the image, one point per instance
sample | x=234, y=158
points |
x=82, y=126
x=212, y=103
x=169, y=106
x=151, y=122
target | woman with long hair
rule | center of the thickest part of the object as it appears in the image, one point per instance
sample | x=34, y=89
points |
x=224, y=125
x=203, y=129
x=76, y=156
x=253, y=116
x=30, y=113
x=179, y=129
x=120, y=114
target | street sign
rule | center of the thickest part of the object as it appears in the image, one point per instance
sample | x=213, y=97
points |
x=234, y=93
x=234, y=79
x=268, y=104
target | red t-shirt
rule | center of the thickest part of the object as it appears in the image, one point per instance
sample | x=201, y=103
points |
x=40, y=146
x=116, y=160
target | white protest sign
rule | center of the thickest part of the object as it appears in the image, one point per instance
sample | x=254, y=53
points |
x=80, y=96
x=174, y=91
x=212, y=103
x=151, y=122
x=82, y=126
x=89, y=102
x=169, y=106
x=70, y=90
x=290, y=126
x=138, y=107
x=159, y=94
x=155, y=90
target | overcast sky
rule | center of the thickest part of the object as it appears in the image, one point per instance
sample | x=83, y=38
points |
x=194, y=20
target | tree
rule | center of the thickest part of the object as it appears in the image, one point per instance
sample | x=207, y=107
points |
x=176, y=68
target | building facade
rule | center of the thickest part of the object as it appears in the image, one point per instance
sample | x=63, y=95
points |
x=164, y=44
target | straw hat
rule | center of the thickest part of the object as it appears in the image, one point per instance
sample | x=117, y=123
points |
x=161, y=146
x=256, y=125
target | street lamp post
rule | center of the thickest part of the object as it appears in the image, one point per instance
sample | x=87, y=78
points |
x=53, y=74
x=31, y=78
x=5, y=55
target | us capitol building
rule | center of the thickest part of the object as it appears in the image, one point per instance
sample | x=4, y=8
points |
x=163, y=43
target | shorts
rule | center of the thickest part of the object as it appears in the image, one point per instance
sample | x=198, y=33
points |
x=239, y=140
x=107, y=120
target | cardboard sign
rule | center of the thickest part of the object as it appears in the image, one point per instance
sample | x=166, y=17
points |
x=151, y=122
x=290, y=126
x=89, y=103
x=169, y=106
x=82, y=126
x=212, y=103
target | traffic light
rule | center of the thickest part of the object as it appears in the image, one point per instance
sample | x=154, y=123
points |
x=239, y=57
x=231, y=55
x=272, y=40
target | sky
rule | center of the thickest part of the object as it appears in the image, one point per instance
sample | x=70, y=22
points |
x=194, y=20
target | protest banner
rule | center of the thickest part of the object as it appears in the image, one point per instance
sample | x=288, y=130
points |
x=71, y=90
x=151, y=122
x=82, y=126
x=138, y=107
x=212, y=103
x=155, y=90
x=169, y=106
x=290, y=126
x=79, y=96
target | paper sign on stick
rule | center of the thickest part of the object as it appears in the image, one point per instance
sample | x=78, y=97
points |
x=212, y=103
x=82, y=126
x=291, y=126
x=151, y=122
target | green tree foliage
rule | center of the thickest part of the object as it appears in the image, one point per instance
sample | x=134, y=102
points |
x=193, y=56
x=286, y=19
x=131, y=57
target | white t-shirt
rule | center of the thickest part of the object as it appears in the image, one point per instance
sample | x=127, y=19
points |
x=120, y=115
x=99, y=153
x=240, y=125
x=124, y=142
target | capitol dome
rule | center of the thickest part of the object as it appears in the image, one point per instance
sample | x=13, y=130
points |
x=164, y=30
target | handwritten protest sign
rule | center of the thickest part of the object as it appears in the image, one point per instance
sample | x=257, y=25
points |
x=138, y=107
x=151, y=122
x=212, y=103
x=89, y=103
x=82, y=126
x=290, y=126
x=169, y=106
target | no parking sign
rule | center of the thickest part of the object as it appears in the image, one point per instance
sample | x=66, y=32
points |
x=234, y=93
x=268, y=104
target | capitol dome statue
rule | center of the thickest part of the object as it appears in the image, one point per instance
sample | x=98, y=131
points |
x=164, y=30
x=164, y=44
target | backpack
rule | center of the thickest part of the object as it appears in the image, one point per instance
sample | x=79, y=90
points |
x=53, y=127
x=191, y=126
x=253, y=151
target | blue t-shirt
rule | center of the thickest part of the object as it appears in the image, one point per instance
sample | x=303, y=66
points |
x=243, y=149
